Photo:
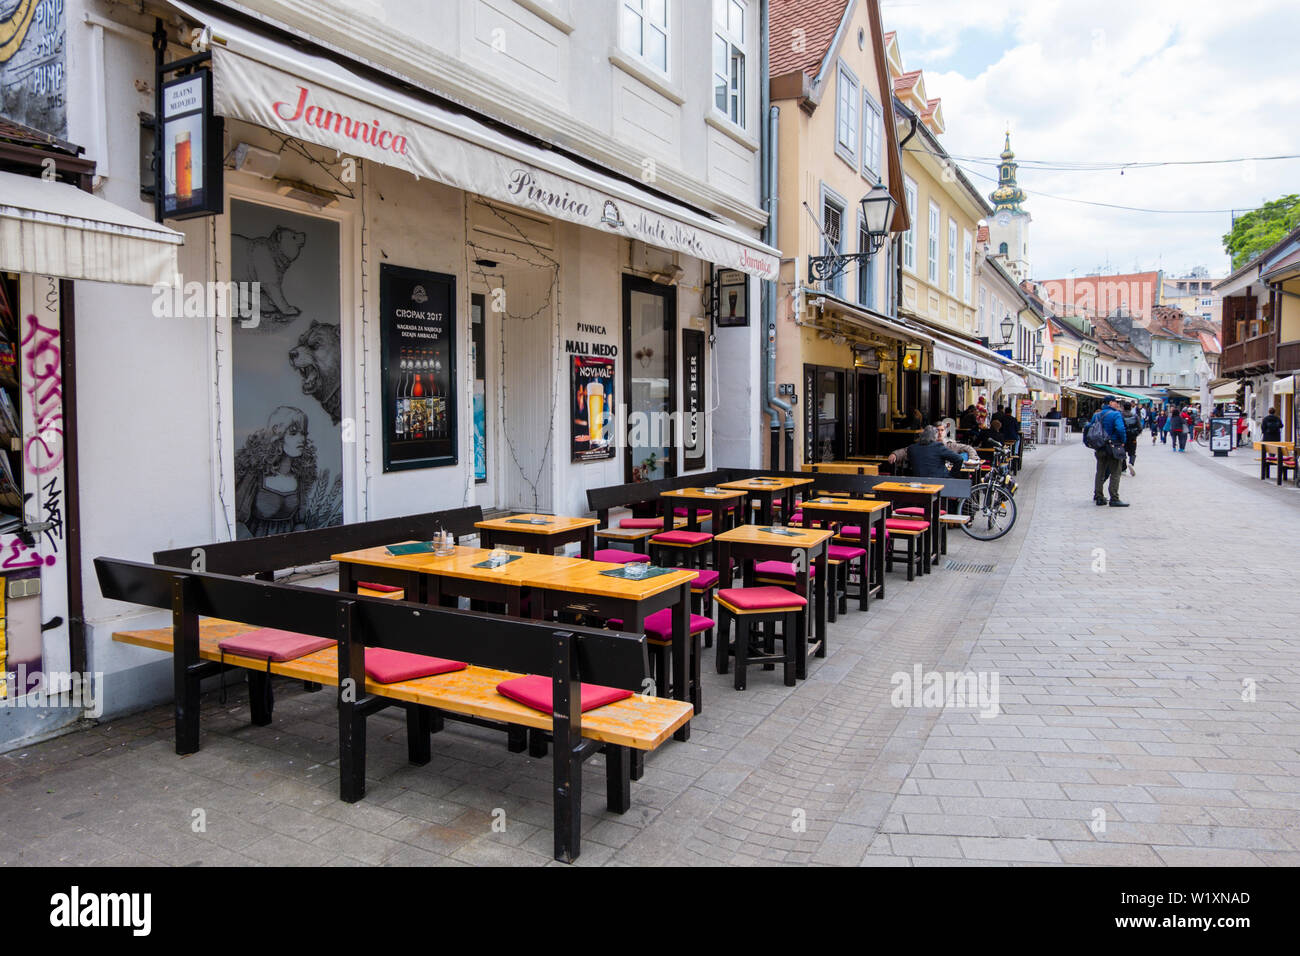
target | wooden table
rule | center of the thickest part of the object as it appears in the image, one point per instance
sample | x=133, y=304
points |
x=581, y=588
x=550, y=532
x=696, y=499
x=901, y=494
x=1282, y=449
x=867, y=513
x=842, y=468
x=430, y=579
x=750, y=543
x=764, y=489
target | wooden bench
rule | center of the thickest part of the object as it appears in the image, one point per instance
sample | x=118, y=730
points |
x=203, y=605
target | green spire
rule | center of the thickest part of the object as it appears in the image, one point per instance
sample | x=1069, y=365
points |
x=1008, y=195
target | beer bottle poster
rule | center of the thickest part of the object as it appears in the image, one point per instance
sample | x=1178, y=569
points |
x=417, y=311
x=589, y=412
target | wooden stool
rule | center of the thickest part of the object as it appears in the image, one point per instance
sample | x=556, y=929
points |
x=839, y=558
x=690, y=546
x=701, y=592
x=915, y=534
x=765, y=606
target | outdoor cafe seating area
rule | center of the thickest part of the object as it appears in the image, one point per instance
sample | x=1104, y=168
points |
x=571, y=635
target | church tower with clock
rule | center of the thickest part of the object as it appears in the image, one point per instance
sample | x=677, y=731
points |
x=1009, y=230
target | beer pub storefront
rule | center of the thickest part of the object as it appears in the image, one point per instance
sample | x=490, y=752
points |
x=469, y=318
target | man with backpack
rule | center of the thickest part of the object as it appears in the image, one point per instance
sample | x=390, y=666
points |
x=1105, y=435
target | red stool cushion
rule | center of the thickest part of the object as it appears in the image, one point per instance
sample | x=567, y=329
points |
x=838, y=552
x=900, y=524
x=682, y=537
x=797, y=516
x=699, y=512
x=659, y=625
x=271, y=644
x=779, y=569
x=535, y=691
x=641, y=523
x=704, y=579
x=915, y=512
x=384, y=588
x=615, y=556
x=852, y=531
x=758, y=599
x=389, y=666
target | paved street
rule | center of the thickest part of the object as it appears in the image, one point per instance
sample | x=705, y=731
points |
x=1147, y=687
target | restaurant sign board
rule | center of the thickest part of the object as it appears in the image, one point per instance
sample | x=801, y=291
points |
x=693, y=431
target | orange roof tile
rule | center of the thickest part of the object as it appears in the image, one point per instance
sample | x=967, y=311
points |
x=817, y=19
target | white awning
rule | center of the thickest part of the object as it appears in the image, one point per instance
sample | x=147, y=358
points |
x=264, y=81
x=1284, y=386
x=1226, y=391
x=962, y=362
x=55, y=229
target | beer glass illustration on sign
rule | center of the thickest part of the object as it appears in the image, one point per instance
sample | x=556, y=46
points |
x=183, y=169
x=596, y=414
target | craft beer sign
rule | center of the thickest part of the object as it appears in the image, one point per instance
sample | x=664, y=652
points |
x=188, y=150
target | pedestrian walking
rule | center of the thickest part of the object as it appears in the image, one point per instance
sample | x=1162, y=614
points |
x=1110, y=453
x=1177, y=426
x=1158, y=428
x=1132, y=428
x=1271, y=426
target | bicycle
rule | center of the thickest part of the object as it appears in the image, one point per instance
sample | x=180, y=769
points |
x=991, y=506
x=1202, y=433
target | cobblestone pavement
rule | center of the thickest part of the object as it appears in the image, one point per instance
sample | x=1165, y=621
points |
x=1122, y=735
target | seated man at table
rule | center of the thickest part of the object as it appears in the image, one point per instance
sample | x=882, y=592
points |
x=1054, y=415
x=928, y=457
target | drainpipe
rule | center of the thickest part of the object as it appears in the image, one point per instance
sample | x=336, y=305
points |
x=778, y=410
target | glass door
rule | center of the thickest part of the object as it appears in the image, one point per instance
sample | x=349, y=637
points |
x=649, y=379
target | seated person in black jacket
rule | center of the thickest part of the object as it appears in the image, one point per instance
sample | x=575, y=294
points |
x=927, y=457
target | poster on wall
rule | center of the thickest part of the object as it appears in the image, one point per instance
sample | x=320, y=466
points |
x=33, y=64
x=589, y=411
x=693, y=437
x=286, y=372
x=417, y=322
x=478, y=361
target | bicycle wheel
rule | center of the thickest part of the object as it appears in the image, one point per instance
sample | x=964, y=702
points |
x=1203, y=436
x=992, y=512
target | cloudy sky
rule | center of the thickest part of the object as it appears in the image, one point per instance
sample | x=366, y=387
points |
x=1112, y=81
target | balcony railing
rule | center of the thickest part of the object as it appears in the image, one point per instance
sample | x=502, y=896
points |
x=1255, y=352
x=1288, y=357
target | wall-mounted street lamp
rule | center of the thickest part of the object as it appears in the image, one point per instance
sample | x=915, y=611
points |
x=877, y=212
x=1007, y=326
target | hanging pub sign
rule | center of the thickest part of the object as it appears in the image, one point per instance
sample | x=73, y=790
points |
x=693, y=449
x=730, y=298
x=589, y=412
x=417, y=321
x=188, y=149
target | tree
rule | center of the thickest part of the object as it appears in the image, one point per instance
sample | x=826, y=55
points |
x=1261, y=229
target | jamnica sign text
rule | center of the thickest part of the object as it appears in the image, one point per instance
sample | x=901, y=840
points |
x=339, y=123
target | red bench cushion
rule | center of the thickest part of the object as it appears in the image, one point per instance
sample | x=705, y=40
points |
x=271, y=644
x=535, y=691
x=839, y=552
x=915, y=512
x=703, y=578
x=383, y=588
x=901, y=524
x=641, y=523
x=388, y=666
x=758, y=599
x=682, y=537
x=615, y=556
x=699, y=512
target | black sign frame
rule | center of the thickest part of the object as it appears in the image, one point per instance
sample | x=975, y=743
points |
x=408, y=289
x=208, y=153
x=726, y=283
x=694, y=421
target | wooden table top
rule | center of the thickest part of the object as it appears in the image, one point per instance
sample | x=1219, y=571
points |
x=1288, y=445
x=755, y=534
x=841, y=468
x=554, y=524
x=847, y=505
x=584, y=577
x=924, y=489
x=698, y=494
x=461, y=564
x=766, y=484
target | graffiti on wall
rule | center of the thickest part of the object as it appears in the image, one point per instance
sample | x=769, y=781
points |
x=33, y=67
